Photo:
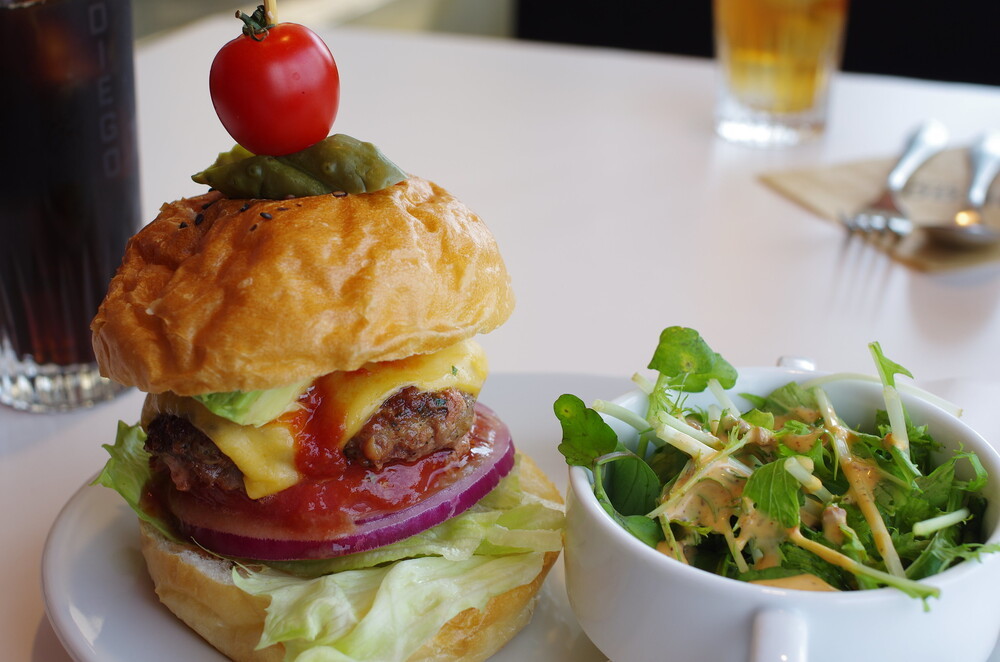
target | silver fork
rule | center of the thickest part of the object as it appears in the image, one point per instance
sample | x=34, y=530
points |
x=882, y=215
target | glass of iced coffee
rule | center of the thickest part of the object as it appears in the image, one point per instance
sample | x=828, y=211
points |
x=69, y=189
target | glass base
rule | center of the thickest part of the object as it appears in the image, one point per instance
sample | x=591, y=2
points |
x=739, y=123
x=27, y=386
x=766, y=132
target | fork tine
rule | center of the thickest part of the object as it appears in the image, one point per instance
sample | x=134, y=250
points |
x=856, y=223
x=899, y=225
x=882, y=216
x=877, y=224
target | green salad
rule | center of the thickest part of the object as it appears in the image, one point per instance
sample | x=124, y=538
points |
x=785, y=491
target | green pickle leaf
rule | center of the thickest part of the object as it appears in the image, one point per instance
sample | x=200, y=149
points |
x=337, y=163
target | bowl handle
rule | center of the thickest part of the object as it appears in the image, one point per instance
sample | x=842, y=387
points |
x=779, y=635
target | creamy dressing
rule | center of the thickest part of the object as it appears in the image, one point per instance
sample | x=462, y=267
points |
x=711, y=501
x=863, y=477
x=811, y=513
x=800, y=413
x=803, y=582
x=762, y=437
x=708, y=495
x=767, y=536
x=801, y=443
x=834, y=521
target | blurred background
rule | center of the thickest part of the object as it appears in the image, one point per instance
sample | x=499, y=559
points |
x=484, y=17
x=949, y=41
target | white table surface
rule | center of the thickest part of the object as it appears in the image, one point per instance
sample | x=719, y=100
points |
x=618, y=213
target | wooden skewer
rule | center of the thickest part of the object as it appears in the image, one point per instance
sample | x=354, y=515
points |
x=271, y=11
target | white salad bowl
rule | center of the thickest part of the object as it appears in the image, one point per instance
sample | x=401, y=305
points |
x=637, y=604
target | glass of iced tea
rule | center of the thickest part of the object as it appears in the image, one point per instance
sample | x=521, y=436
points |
x=69, y=188
x=776, y=59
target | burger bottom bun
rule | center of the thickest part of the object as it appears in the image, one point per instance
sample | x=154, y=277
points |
x=198, y=589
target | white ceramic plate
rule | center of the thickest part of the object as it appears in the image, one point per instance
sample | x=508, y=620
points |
x=101, y=602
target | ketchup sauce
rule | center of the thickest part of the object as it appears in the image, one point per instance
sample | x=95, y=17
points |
x=337, y=494
x=319, y=427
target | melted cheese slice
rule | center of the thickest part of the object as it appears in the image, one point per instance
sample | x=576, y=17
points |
x=361, y=392
x=266, y=454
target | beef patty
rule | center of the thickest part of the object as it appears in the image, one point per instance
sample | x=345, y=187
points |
x=413, y=424
x=408, y=426
x=191, y=457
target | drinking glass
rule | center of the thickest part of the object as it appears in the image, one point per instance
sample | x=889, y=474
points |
x=776, y=59
x=69, y=189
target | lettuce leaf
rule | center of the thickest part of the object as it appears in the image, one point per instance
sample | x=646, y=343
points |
x=338, y=610
x=343, y=617
x=127, y=472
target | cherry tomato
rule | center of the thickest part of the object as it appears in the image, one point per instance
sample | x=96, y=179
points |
x=277, y=95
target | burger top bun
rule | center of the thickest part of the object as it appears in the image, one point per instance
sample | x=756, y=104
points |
x=222, y=295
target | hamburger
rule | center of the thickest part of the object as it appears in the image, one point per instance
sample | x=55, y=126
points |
x=313, y=474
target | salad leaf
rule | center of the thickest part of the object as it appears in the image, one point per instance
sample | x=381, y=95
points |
x=630, y=482
x=762, y=419
x=775, y=492
x=935, y=557
x=643, y=528
x=887, y=369
x=624, y=484
x=586, y=436
x=970, y=551
x=688, y=363
x=667, y=462
x=789, y=399
x=978, y=481
x=936, y=487
x=898, y=438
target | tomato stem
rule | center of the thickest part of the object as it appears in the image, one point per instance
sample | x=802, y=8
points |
x=256, y=25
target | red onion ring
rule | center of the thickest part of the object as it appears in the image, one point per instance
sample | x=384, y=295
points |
x=383, y=530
